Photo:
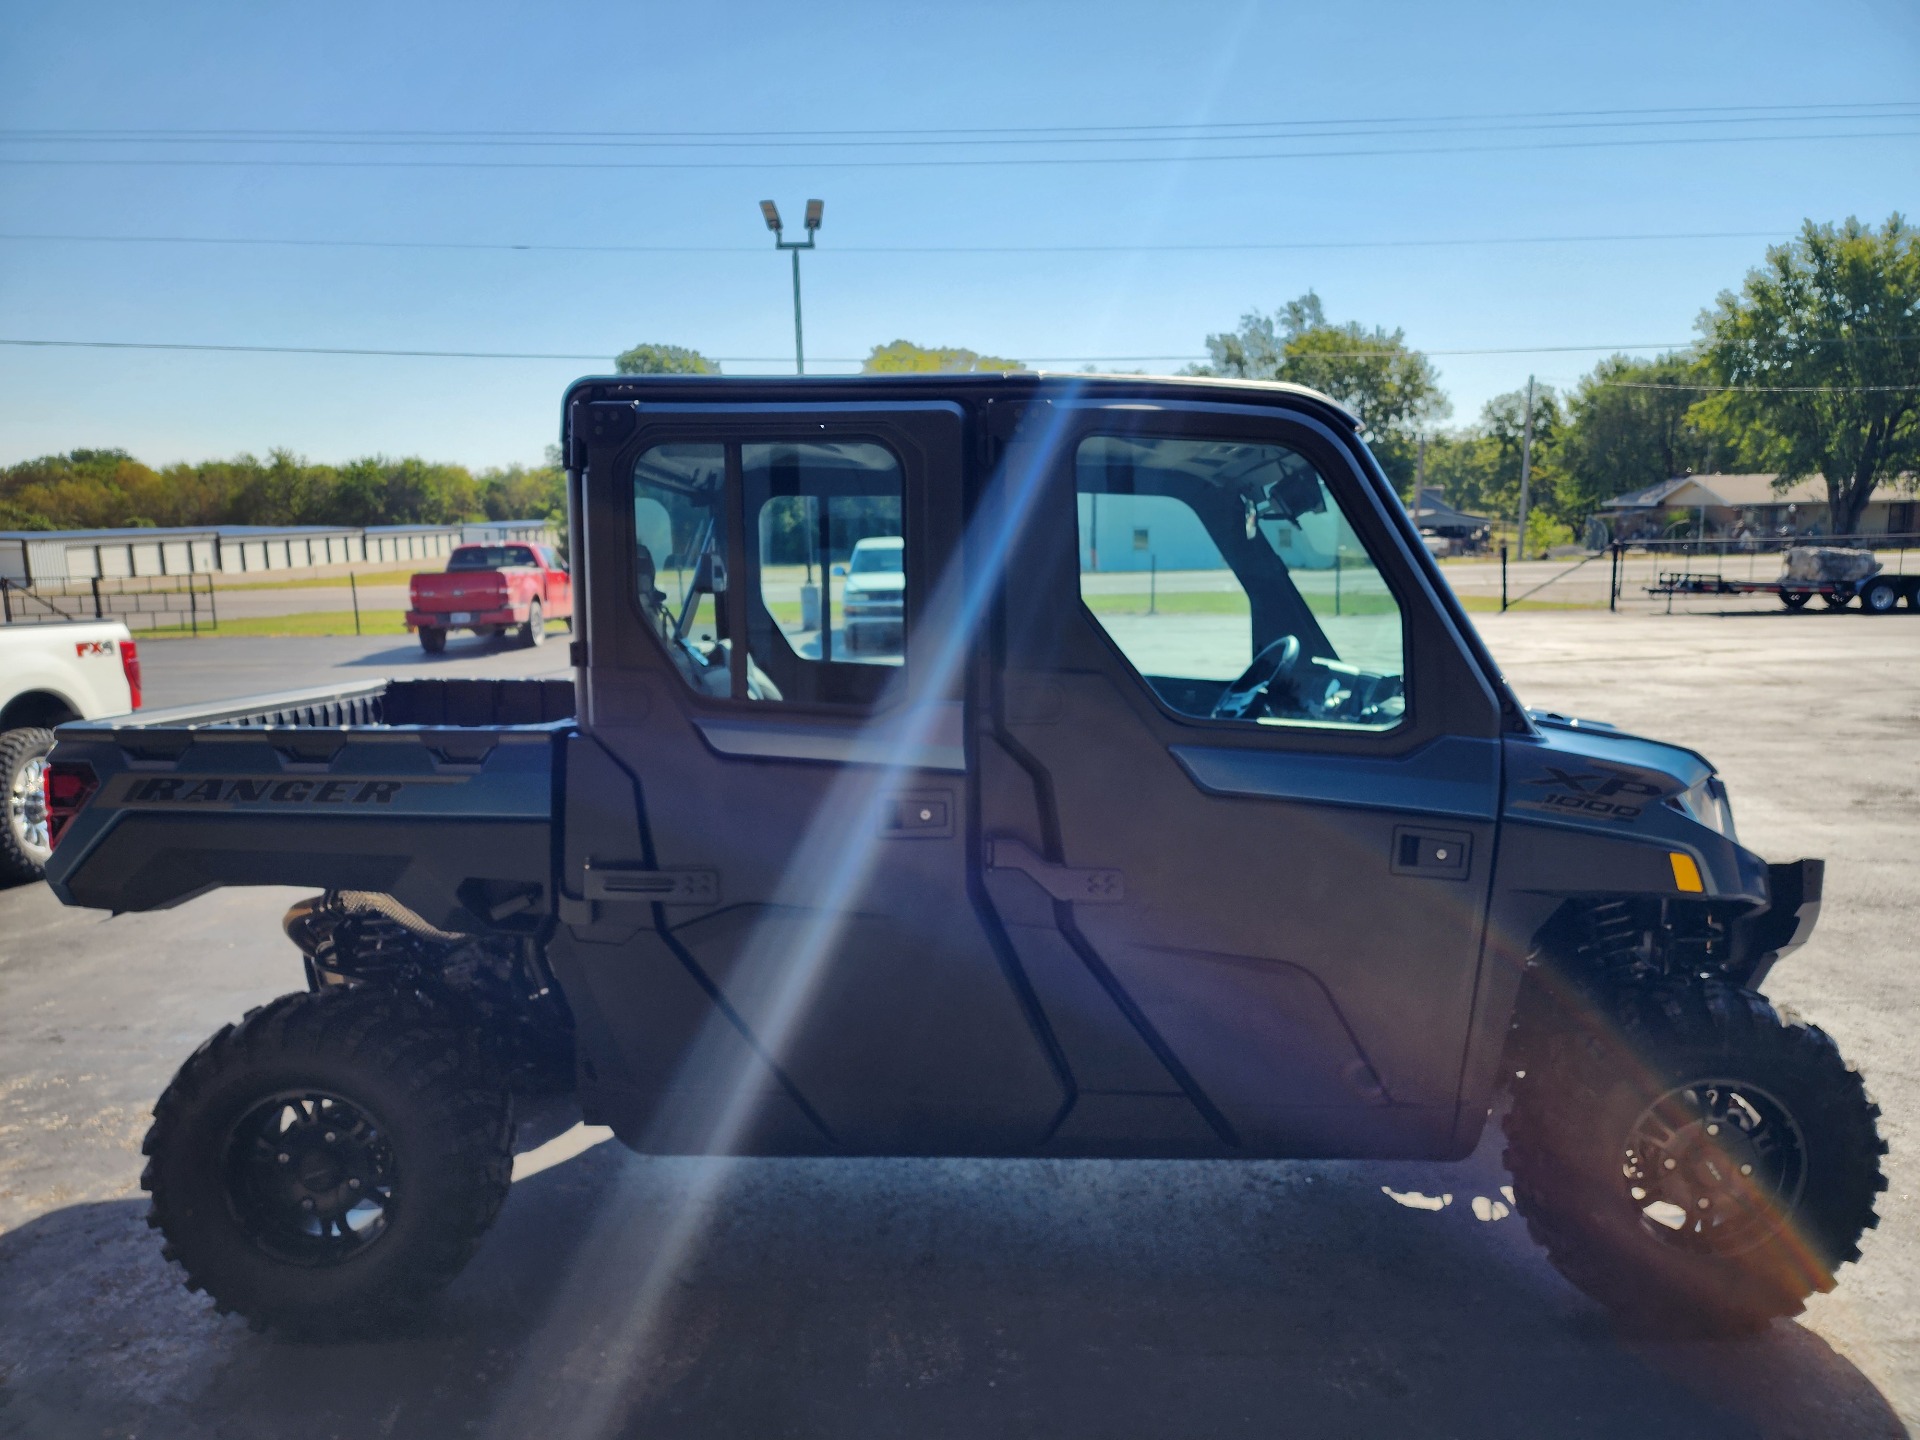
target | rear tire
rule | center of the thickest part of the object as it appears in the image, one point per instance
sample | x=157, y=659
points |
x=1795, y=599
x=1626, y=1141
x=433, y=639
x=24, y=841
x=1880, y=597
x=1835, y=599
x=329, y=1163
x=534, y=632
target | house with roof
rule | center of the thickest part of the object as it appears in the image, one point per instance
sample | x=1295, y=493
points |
x=1433, y=516
x=1749, y=505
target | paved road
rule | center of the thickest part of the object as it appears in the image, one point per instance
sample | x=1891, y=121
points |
x=970, y=1298
x=182, y=672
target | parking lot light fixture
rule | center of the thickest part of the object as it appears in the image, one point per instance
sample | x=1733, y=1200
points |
x=771, y=213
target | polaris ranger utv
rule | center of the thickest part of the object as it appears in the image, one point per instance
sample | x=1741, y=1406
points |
x=1190, y=819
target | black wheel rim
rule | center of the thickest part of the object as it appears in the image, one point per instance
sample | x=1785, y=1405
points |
x=1715, y=1166
x=311, y=1177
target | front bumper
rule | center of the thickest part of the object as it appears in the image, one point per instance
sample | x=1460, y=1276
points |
x=1794, y=889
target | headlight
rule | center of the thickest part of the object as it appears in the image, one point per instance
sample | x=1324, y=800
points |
x=1707, y=804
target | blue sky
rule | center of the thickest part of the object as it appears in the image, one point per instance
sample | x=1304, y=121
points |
x=868, y=68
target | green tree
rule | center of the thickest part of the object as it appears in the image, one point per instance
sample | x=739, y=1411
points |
x=1822, y=345
x=903, y=357
x=1632, y=423
x=663, y=360
x=1478, y=469
x=1392, y=388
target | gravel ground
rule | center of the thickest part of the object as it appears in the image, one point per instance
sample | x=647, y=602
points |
x=968, y=1298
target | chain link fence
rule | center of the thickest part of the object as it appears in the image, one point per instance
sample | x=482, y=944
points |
x=149, y=604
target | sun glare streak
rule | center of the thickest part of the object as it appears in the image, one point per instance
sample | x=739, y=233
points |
x=617, y=1293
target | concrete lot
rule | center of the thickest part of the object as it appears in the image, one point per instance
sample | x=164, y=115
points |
x=968, y=1298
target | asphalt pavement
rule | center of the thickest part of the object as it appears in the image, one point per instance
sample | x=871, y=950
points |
x=969, y=1298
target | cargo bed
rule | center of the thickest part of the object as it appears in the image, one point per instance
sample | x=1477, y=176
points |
x=438, y=792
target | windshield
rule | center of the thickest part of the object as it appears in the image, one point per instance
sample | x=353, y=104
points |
x=876, y=560
x=490, y=557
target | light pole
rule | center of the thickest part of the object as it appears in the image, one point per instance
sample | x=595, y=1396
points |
x=772, y=214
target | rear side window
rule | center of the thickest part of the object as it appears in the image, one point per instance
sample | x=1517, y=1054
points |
x=818, y=614
x=490, y=557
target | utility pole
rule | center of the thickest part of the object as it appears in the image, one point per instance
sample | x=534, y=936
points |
x=1526, y=469
x=771, y=213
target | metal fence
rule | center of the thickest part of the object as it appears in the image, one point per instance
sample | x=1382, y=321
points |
x=146, y=604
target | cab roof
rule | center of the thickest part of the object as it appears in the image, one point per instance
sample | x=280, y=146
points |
x=993, y=385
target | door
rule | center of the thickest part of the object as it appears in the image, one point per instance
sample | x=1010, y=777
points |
x=1238, y=789
x=769, y=916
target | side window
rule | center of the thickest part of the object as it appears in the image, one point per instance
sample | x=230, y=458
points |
x=1228, y=575
x=830, y=556
x=822, y=606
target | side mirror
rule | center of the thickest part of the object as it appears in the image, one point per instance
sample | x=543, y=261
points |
x=839, y=570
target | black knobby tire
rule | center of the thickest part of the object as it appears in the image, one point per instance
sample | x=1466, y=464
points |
x=433, y=639
x=1590, y=1089
x=440, y=1134
x=23, y=819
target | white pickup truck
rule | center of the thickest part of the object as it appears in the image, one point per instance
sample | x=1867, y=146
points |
x=50, y=674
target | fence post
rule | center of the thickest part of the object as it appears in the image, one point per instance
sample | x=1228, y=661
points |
x=193, y=605
x=355, y=588
x=1153, y=583
x=96, y=598
x=1503, y=579
x=1613, y=586
x=213, y=610
x=6, y=598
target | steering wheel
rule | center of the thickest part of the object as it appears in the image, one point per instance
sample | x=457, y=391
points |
x=1272, y=666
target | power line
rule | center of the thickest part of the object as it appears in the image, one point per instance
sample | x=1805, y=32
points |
x=346, y=350
x=1700, y=113
x=971, y=162
x=1329, y=130
x=302, y=242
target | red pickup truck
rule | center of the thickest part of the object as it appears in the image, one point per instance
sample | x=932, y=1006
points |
x=490, y=589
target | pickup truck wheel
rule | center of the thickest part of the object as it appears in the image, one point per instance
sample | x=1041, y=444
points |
x=433, y=639
x=24, y=840
x=1693, y=1162
x=326, y=1165
x=534, y=632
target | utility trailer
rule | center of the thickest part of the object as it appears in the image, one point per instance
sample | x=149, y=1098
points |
x=1877, y=594
x=1243, y=873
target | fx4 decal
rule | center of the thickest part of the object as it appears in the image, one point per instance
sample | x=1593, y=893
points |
x=85, y=648
x=1605, y=793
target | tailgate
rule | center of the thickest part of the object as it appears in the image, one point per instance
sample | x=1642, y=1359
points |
x=460, y=590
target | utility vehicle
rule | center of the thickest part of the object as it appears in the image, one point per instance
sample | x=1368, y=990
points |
x=1192, y=819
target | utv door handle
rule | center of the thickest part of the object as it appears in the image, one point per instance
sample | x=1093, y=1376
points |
x=1062, y=882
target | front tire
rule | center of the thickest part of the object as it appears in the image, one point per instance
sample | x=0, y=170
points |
x=1693, y=1162
x=25, y=842
x=328, y=1164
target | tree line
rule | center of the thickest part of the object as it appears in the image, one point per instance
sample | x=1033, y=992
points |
x=108, y=489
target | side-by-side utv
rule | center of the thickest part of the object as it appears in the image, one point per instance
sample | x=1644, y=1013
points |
x=1183, y=814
